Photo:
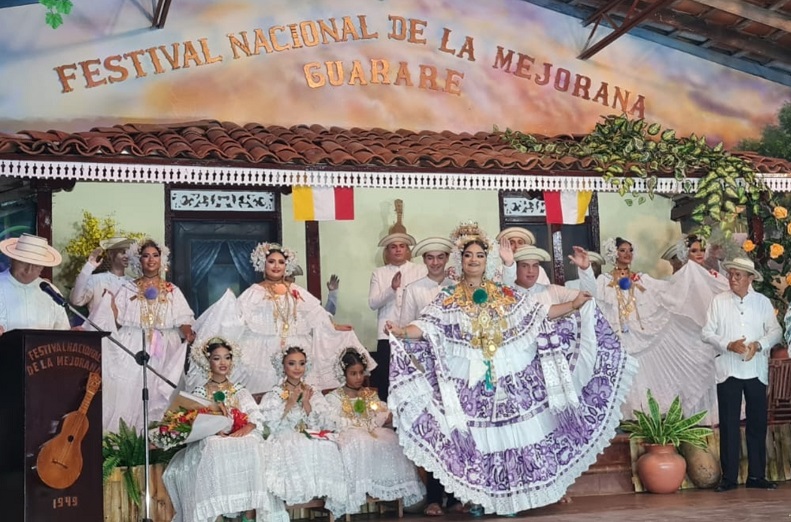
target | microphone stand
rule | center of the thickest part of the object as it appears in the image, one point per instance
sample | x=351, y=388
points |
x=141, y=358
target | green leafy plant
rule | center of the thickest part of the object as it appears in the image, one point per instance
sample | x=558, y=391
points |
x=625, y=150
x=653, y=427
x=56, y=9
x=126, y=449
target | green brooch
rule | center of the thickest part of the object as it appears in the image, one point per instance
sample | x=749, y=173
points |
x=219, y=396
x=480, y=296
x=359, y=406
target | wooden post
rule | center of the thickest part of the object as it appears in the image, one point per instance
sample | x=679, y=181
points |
x=313, y=258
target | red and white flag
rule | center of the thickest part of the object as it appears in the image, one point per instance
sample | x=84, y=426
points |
x=567, y=207
x=323, y=203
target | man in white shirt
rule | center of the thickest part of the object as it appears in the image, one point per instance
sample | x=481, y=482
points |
x=22, y=302
x=596, y=261
x=435, y=252
x=558, y=299
x=742, y=327
x=385, y=296
x=90, y=287
x=516, y=237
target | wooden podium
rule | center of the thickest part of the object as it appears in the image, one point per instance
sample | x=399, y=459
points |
x=51, y=425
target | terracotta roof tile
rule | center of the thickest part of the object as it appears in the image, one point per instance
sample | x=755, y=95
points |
x=316, y=146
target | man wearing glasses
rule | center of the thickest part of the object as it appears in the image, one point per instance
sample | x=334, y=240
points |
x=742, y=327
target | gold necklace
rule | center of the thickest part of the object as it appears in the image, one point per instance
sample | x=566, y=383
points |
x=361, y=410
x=152, y=307
x=627, y=302
x=282, y=311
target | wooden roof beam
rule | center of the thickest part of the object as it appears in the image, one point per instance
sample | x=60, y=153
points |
x=768, y=17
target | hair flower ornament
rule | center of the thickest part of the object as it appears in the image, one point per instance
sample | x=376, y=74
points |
x=463, y=235
x=133, y=253
x=262, y=251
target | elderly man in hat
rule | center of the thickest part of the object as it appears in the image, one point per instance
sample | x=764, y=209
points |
x=103, y=273
x=385, y=295
x=22, y=302
x=742, y=327
x=558, y=299
x=435, y=252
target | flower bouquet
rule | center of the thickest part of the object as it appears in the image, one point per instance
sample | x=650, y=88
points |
x=183, y=426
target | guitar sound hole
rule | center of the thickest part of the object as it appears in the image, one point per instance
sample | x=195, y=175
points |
x=71, y=438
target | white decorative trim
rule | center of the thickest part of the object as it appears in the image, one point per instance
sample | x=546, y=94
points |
x=226, y=175
x=222, y=200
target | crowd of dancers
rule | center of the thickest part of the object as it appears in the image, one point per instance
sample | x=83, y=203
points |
x=503, y=387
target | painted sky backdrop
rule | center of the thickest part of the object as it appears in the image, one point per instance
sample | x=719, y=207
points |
x=679, y=90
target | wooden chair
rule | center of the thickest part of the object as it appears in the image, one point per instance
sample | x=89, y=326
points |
x=779, y=391
x=381, y=505
x=311, y=507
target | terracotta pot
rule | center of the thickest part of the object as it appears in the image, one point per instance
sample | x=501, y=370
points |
x=703, y=469
x=661, y=469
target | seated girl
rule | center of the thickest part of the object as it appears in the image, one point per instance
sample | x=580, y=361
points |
x=222, y=474
x=373, y=462
x=302, y=462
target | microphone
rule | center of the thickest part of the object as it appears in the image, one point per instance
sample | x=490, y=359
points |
x=54, y=294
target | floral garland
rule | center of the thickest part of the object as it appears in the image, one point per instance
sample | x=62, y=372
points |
x=136, y=269
x=610, y=251
x=262, y=250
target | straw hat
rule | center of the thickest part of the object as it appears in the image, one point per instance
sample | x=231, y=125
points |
x=517, y=232
x=595, y=257
x=531, y=253
x=432, y=244
x=115, y=243
x=31, y=249
x=396, y=237
x=670, y=252
x=745, y=265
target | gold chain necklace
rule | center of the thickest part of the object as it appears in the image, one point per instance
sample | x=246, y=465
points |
x=627, y=302
x=152, y=311
x=283, y=312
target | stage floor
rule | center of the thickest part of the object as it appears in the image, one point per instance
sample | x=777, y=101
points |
x=689, y=505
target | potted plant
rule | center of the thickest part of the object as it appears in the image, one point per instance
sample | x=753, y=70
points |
x=661, y=469
x=122, y=469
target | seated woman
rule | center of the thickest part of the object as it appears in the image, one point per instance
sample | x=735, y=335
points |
x=504, y=407
x=373, y=462
x=276, y=313
x=222, y=474
x=302, y=464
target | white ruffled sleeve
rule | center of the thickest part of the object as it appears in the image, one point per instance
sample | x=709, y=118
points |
x=247, y=405
x=321, y=415
x=180, y=309
x=82, y=293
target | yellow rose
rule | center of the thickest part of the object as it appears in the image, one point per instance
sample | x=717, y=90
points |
x=780, y=212
x=776, y=251
x=748, y=246
x=788, y=229
x=788, y=279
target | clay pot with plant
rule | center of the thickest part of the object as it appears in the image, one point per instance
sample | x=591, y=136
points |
x=661, y=469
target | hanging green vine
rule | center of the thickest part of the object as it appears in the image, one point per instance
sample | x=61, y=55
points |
x=56, y=9
x=624, y=150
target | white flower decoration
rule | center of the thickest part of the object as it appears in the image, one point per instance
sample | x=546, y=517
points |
x=262, y=250
x=610, y=251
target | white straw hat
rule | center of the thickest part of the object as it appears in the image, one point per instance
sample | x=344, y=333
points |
x=595, y=257
x=31, y=249
x=398, y=236
x=432, y=244
x=745, y=265
x=517, y=232
x=531, y=253
x=115, y=243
